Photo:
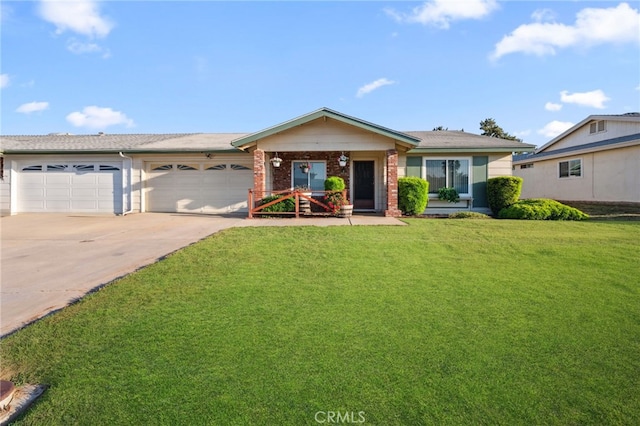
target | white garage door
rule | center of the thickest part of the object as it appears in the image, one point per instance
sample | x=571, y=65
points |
x=193, y=187
x=70, y=187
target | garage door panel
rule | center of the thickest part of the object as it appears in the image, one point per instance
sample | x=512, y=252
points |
x=56, y=179
x=57, y=193
x=220, y=190
x=84, y=193
x=70, y=188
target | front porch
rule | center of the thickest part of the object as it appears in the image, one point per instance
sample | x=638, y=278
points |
x=371, y=180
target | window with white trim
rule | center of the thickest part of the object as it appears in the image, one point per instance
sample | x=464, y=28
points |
x=597, y=126
x=570, y=168
x=314, y=179
x=448, y=173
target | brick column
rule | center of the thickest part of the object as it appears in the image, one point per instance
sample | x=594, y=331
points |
x=259, y=173
x=392, y=184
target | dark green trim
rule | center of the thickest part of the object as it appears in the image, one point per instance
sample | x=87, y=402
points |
x=480, y=175
x=462, y=150
x=414, y=166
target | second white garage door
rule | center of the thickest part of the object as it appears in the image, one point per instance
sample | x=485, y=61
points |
x=195, y=187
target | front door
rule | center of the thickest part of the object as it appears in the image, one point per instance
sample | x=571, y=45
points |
x=364, y=185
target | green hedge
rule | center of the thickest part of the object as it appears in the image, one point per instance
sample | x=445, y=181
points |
x=503, y=191
x=541, y=209
x=288, y=205
x=413, y=195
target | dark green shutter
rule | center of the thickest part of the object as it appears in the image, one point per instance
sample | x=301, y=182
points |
x=414, y=166
x=480, y=181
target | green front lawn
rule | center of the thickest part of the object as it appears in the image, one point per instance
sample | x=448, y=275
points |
x=438, y=322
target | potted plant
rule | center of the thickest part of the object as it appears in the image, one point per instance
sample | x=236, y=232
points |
x=276, y=161
x=305, y=204
x=339, y=204
x=305, y=166
x=342, y=160
x=448, y=194
x=335, y=198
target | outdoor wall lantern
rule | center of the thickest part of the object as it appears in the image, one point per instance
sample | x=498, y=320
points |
x=276, y=161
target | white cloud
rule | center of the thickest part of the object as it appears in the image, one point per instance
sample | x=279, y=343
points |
x=81, y=16
x=638, y=87
x=4, y=80
x=595, y=98
x=620, y=24
x=441, y=13
x=541, y=15
x=368, y=88
x=30, y=107
x=80, y=48
x=95, y=117
x=554, y=128
x=550, y=106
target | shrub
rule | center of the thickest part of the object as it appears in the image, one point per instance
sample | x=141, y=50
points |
x=413, y=195
x=541, y=209
x=334, y=183
x=503, y=191
x=335, y=199
x=288, y=205
x=468, y=215
x=449, y=194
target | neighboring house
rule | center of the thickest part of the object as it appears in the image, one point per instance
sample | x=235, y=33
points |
x=598, y=159
x=212, y=173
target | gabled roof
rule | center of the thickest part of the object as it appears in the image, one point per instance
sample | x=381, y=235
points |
x=249, y=140
x=438, y=141
x=629, y=116
x=110, y=143
x=619, y=142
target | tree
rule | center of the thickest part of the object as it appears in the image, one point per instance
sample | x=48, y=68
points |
x=490, y=128
x=439, y=128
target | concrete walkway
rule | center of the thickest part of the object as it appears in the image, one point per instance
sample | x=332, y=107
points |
x=50, y=260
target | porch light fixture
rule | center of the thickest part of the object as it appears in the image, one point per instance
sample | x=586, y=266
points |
x=276, y=161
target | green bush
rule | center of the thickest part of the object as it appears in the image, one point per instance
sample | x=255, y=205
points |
x=334, y=183
x=448, y=194
x=468, y=215
x=413, y=195
x=541, y=209
x=503, y=191
x=288, y=205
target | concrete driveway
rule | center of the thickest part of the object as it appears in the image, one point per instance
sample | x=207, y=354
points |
x=50, y=260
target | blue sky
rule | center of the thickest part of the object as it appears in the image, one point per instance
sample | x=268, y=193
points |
x=206, y=66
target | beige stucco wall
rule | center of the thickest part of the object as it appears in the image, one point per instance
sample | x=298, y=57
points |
x=325, y=135
x=499, y=165
x=612, y=175
x=581, y=136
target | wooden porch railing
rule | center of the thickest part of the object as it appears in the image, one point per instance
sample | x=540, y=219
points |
x=256, y=197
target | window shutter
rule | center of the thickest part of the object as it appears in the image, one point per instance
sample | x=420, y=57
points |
x=414, y=166
x=480, y=165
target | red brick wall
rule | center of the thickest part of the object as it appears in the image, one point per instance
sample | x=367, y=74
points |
x=392, y=184
x=258, y=172
x=282, y=174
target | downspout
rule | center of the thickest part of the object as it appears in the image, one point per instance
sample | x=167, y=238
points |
x=130, y=178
